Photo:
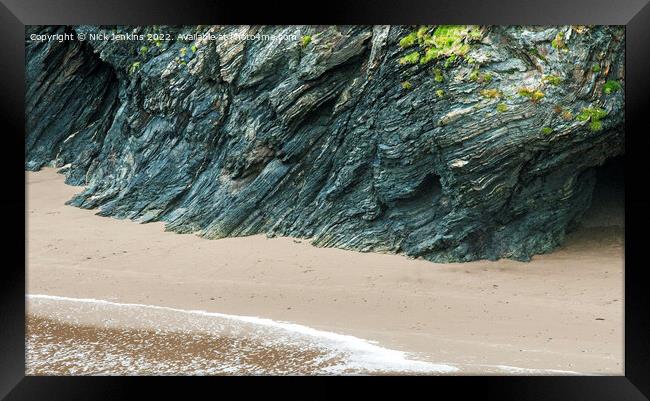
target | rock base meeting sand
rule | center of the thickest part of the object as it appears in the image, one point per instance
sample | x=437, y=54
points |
x=561, y=311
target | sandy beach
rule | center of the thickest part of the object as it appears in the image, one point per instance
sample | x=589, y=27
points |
x=562, y=311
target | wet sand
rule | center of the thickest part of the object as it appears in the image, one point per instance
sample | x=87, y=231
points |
x=562, y=311
x=88, y=336
x=120, y=351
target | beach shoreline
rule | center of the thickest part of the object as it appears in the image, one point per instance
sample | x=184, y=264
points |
x=561, y=311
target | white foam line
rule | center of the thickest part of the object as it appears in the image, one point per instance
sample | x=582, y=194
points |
x=514, y=369
x=364, y=354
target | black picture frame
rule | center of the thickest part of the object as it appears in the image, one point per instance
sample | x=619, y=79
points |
x=634, y=14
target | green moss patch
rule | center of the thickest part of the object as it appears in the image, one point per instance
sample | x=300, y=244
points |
x=442, y=42
x=533, y=94
x=559, y=43
x=437, y=75
x=552, y=79
x=411, y=58
x=134, y=67
x=305, y=40
x=408, y=40
x=491, y=93
x=480, y=77
x=593, y=115
x=611, y=87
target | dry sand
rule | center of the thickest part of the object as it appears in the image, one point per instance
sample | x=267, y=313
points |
x=561, y=311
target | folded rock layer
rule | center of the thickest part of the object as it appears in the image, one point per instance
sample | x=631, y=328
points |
x=450, y=145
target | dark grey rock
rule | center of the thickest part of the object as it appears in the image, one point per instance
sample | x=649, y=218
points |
x=239, y=137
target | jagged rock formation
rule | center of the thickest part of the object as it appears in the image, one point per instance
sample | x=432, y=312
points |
x=481, y=149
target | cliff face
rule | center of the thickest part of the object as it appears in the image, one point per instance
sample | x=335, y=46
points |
x=452, y=143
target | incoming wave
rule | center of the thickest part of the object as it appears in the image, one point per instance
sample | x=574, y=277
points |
x=92, y=336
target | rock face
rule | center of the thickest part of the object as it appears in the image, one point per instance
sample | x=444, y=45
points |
x=483, y=147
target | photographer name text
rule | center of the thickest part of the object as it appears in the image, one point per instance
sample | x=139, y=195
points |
x=149, y=37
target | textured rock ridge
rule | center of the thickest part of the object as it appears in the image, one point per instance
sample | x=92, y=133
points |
x=341, y=135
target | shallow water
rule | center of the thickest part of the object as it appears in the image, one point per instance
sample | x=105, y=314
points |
x=56, y=348
x=80, y=336
x=67, y=336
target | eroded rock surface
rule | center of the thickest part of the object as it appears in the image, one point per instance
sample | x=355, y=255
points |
x=334, y=136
